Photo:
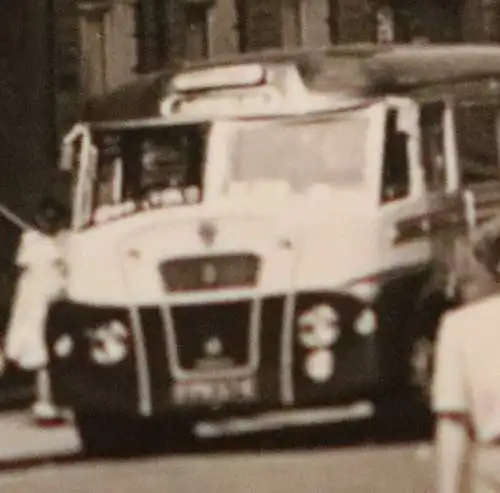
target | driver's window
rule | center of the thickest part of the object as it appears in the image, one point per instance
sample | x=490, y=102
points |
x=396, y=162
x=433, y=149
x=150, y=166
x=164, y=164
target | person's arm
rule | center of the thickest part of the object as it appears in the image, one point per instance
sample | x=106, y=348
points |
x=450, y=405
x=452, y=445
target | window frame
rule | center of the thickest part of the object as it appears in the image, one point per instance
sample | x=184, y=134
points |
x=84, y=200
x=444, y=181
x=197, y=20
x=409, y=155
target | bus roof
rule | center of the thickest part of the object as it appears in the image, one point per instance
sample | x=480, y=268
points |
x=139, y=99
x=366, y=70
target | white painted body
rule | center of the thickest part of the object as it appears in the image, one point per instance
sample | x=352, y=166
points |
x=346, y=233
x=304, y=246
x=336, y=235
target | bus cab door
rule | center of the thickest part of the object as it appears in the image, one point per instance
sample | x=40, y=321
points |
x=477, y=126
x=403, y=203
x=427, y=192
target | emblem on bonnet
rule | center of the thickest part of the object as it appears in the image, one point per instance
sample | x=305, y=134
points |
x=207, y=232
x=213, y=347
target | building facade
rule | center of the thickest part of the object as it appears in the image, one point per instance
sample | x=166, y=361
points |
x=102, y=44
x=27, y=133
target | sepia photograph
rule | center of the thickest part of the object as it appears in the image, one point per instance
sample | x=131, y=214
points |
x=250, y=246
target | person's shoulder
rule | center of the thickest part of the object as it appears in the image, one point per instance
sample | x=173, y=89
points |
x=33, y=239
x=468, y=315
x=34, y=246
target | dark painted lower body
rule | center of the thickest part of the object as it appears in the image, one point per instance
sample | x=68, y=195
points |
x=366, y=366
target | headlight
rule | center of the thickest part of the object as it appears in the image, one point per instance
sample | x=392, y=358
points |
x=108, y=343
x=366, y=290
x=63, y=347
x=319, y=365
x=366, y=323
x=318, y=327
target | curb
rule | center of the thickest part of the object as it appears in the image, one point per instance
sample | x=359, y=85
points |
x=24, y=439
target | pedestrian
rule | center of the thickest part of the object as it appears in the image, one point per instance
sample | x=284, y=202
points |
x=466, y=387
x=41, y=281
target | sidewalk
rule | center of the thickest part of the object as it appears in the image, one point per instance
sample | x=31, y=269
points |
x=20, y=438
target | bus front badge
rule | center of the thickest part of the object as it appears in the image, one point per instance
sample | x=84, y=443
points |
x=213, y=347
x=207, y=232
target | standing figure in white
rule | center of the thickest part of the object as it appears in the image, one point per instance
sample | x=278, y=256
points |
x=41, y=281
x=466, y=387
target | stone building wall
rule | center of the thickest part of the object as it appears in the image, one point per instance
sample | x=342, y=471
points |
x=99, y=48
x=26, y=106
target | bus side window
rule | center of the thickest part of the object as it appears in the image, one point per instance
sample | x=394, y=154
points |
x=477, y=143
x=432, y=143
x=396, y=162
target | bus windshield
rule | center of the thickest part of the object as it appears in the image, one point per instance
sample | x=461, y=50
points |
x=148, y=167
x=304, y=152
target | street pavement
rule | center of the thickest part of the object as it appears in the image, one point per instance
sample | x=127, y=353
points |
x=397, y=469
x=21, y=438
x=33, y=459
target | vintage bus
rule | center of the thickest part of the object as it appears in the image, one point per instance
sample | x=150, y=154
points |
x=269, y=240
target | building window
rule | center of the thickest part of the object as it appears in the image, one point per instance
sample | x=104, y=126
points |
x=491, y=21
x=292, y=23
x=385, y=24
x=333, y=21
x=197, y=42
x=259, y=24
x=241, y=27
x=427, y=20
x=150, y=33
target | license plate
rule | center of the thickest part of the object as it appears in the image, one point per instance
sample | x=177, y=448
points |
x=238, y=390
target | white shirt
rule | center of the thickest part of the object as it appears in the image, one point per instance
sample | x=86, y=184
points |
x=35, y=248
x=467, y=372
x=40, y=282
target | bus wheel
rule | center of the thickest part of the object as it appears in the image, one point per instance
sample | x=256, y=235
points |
x=119, y=436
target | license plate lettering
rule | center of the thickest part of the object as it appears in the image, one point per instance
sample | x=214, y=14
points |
x=215, y=392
